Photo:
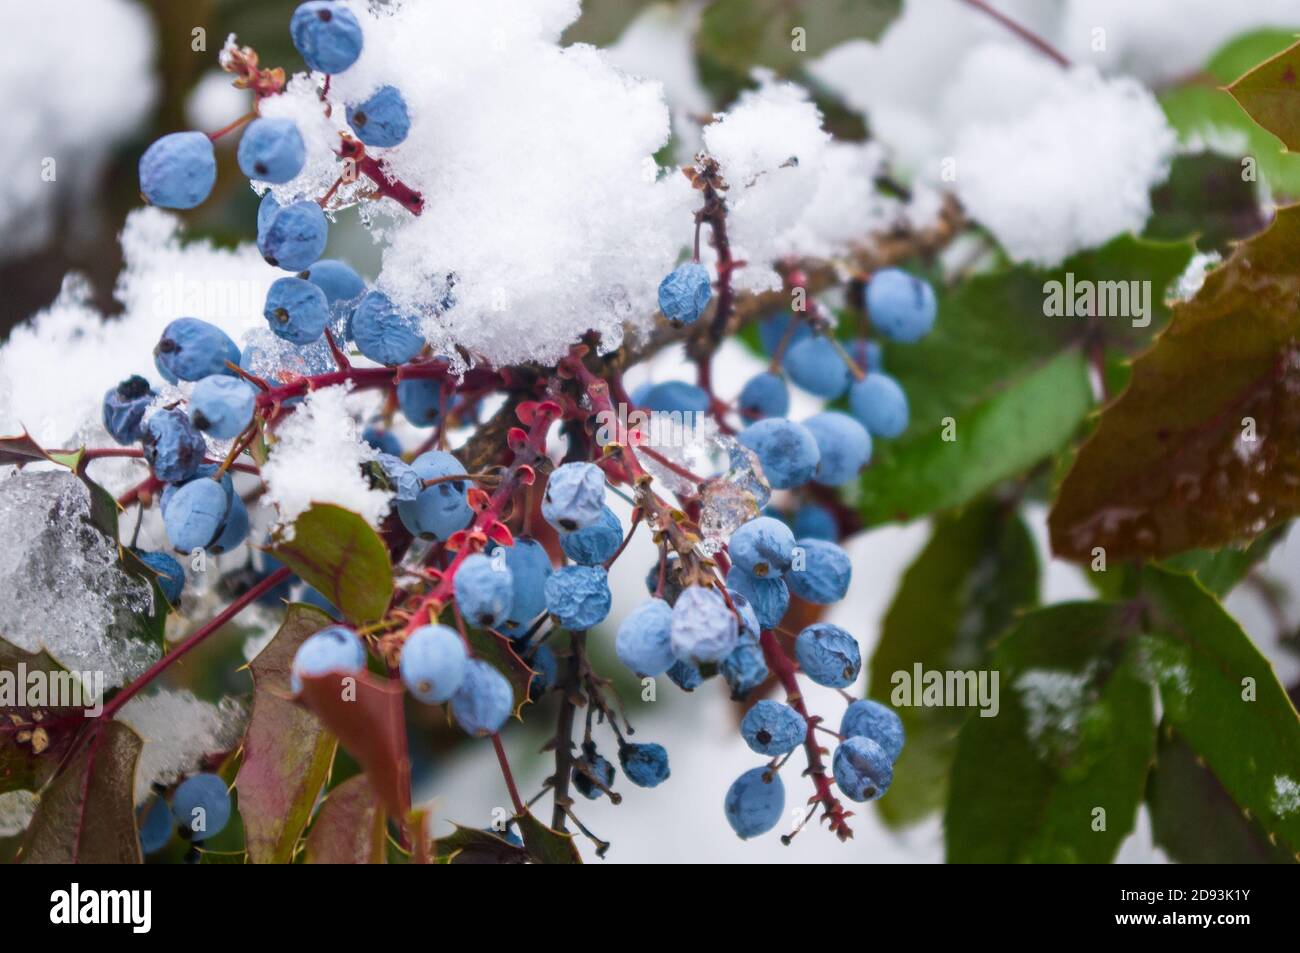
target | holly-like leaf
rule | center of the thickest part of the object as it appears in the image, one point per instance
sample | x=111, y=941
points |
x=351, y=826
x=1057, y=775
x=86, y=815
x=1271, y=94
x=978, y=570
x=546, y=846
x=337, y=553
x=469, y=845
x=499, y=652
x=287, y=753
x=1203, y=448
x=35, y=738
x=1206, y=198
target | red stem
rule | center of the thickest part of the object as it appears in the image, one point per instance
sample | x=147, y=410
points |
x=510, y=778
x=1029, y=36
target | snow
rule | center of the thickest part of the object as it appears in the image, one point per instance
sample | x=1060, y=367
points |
x=16, y=810
x=179, y=730
x=214, y=103
x=1286, y=796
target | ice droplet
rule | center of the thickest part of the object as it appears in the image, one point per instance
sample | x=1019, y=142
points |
x=732, y=499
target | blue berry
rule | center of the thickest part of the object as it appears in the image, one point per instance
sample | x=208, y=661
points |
x=313, y=597
x=762, y=547
x=818, y=367
x=266, y=210
x=644, y=641
x=384, y=335
x=343, y=287
x=205, y=471
x=674, y=397
x=750, y=627
x=843, y=446
x=202, y=804
x=172, y=447
x=405, y=482
x=646, y=765
x=234, y=530
x=332, y=649
x=880, y=405
x=546, y=671
x=171, y=577
x=190, y=350
x=385, y=441
x=901, y=306
x=594, y=544
x=672, y=579
x=578, y=596
x=588, y=765
x=484, y=700
x=769, y=597
x=382, y=120
x=786, y=450
x=296, y=310
x=222, y=405
x=755, y=802
x=745, y=668
x=178, y=170
x=433, y=663
x=530, y=567
x=772, y=728
x=820, y=572
x=421, y=400
x=685, y=676
x=862, y=769
x=814, y=521
x=868, y=354
x=704, y=628
x=764, y=395
x=155, y=820
x=442, y=509
x=575, y=497
x=828, y=655
x=271, y=150
x=294, y=236
x=277, y=595
x=484, y=589
x=685, y=293
x=327, y=35
x=772, y=332
x=870, y=719
x=124, y=407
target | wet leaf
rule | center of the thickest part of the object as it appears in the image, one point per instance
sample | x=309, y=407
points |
x=337, y=553
x=546, y=846
x=350, y=828
x=1271, y=94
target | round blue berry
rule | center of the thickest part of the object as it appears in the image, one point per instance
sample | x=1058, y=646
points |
x=442, y=509
x=868, y=354
x=773, y=331
x=327, y=35
x=294, y=236
x=880, y=405
x=385, y=441
x=178, y=170
x=234, y=530
x=816, y=365
x=594, y=544
x=382, y=333
x=769, y=597
x=155, y=820
x=901, y=306
x=585, y=772
x=685, y=676
x=402, y=478
x=433, y=663
x=814, y=521
x=202, y=804
x=484, y=589
x=772, y=728
x=271, y=150
x=870, y=719
x=575, y=497
x=171, y=577
x=762, y=547
x=190, y=350
x=685, y=293
x=674, y=397
x=786, y=450
x=745, y=668
x=124, y=407
x=381, y=120
x=750, y=627
x=646, y=765
x=484, y=700
x=205, y=471
x=222, y=405
x=343, y=287
x=862, y=769
x=843, y=446
x=764, y=395
x=546, y=671
x=332, y=649
x=313, y=597
x=421, y=400
x=296, y=310
x=644, y=640
x=172, y=447
x=820, y=572
x=530, y=567
x=704, y=628
x=578, y=596
x=755, y=802
x=266, y=210
x=828, y=655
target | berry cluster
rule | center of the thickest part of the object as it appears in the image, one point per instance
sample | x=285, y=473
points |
x=200, y=808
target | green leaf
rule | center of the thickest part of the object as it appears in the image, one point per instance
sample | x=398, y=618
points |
x=1224, y=700
x=351, y=828
x=1220, y=570
x=287, y=754
x=1168, y=467
x=978, y=570
x=546, y=846
x=469, y=845
x=31, y=753
x=1075, y=736
x=86, y=815
x=1206, y=198
x=1271, y=94
x=337, y=553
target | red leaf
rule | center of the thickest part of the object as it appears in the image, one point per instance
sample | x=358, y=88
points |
x=517, y=439
x=526, y=475
x=478, y=499
x=500, y=533
x=526, y=412
x=350, y=828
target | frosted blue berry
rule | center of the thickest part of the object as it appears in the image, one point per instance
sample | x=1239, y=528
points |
x=818, y=367
x=271, y=150
x=646, y=765
x=382, y=333
x=578, y=596
x=594, y=544
x=484, y=589
x=222, y=405
x=772, y=728
x=762, y=547
x=385, y=441
x=234, y=530
x=750, y=627
x=787, y=451
x=674, y=397
x=484, y=700
x=530, y=567
x=764, y=395
x=202, y=804
x=381, y=120
x=770, y=597
x=266, y=210
x=575, y=496
x=814, y=521
x=755, y=802
x=644, y=640
x=402, y=478
x=588, y=768
x=433, y=663
x=820, y=572
x=178, y=170
x=772, y=332
x=863, y=770
x=124, y=407
x=704, y=628
x=294, y=236
x=901, y=306
x=745, y=668
x=880, y=405
x=672, y=584
x=843, y=446
x=156, y=823
x=296, y=310
x=685, y=676
x=190, y=350
x=343, y=287
x=442, y=509
x=828, y=655
x=335, y=649
x=172, y=447
x=205, y=471
x=171, y=577
x=870, y=719
x=327, y=35
x=421, y=400
x=685, y=293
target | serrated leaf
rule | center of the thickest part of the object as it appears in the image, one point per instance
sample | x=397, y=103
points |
x=469, y=845
x=286, y=752
x=1206, y=198
x=1075, y=734
x=1271, y=94
x=350, y=828
x=978, y=570
x=546, y=846
x=22, y=767
x=337, y=553
x=499, y=652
